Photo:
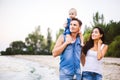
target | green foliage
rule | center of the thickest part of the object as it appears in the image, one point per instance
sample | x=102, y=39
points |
x=3, y=53
x=87, y=33
x=59, y=33
x=114, y=48
x=52, y=45
x=17, y=44
x=98, y=19
x=49, y=40
x=112, y=30
x=86, y=37
x=7, y=52
x=35, y=41
x=16, y=47
x=35, y=44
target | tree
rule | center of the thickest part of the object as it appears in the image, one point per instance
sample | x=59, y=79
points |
x=49, y=40
x=7, y=52
x=98, y=19
x=34, y=44
x=111, y=31
x=59, y=33
x=114, y=48
x=87, y=33
x=16, y=47
x=35, y=41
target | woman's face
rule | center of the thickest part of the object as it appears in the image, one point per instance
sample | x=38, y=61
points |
x=96, y=34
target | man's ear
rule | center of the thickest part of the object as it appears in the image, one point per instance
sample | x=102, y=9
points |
x=79, y=29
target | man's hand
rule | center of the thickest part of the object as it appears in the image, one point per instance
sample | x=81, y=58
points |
x=68, y=39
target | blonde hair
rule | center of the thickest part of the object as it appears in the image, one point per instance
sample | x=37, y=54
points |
x=73, y=10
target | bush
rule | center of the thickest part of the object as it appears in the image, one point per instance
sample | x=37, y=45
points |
x=114, y=48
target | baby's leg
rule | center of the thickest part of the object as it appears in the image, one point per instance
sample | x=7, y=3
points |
x=82, y=40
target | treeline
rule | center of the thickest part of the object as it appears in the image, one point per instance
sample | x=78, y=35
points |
x=36, y=44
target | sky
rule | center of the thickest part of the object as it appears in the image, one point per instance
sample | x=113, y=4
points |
x=18, y=18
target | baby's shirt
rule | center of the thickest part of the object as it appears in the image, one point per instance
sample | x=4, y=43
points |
x=67, y=28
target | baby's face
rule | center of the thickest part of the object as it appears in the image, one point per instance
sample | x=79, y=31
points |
x=72, y=14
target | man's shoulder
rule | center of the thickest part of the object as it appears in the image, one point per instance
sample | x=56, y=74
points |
x=61, y=37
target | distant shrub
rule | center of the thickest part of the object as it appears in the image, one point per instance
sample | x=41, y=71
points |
x=114, y=48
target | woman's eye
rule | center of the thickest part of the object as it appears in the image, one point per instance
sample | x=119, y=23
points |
x=96, y=32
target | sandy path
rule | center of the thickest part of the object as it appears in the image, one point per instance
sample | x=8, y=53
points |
x=44, y=60
x=19, y=68
x=111, y=66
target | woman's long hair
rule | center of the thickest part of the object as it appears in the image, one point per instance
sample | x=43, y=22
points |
x=90, y=43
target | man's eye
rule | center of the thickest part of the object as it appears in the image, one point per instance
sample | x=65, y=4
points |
x=74, y=24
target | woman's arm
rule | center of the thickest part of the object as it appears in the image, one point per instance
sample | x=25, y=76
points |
x=101, y=52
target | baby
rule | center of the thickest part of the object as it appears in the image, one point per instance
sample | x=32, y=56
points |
x=72, y=14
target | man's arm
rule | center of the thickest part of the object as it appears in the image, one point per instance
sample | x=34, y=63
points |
x=60, y=45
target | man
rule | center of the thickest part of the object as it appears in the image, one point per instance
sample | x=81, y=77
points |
x=69, y=49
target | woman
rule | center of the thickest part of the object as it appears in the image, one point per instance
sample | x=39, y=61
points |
x=94, y=50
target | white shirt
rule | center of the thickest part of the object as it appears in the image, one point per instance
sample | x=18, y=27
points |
x=92, y=64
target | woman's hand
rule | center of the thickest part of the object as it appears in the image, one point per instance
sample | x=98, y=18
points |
x=100, y=42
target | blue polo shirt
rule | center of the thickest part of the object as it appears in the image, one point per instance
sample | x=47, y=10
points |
x=70, y=58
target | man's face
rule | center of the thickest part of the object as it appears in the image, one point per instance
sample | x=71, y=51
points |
x=74, y=26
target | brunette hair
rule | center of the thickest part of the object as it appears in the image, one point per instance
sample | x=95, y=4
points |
x=79, y=21
x=89, y=44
